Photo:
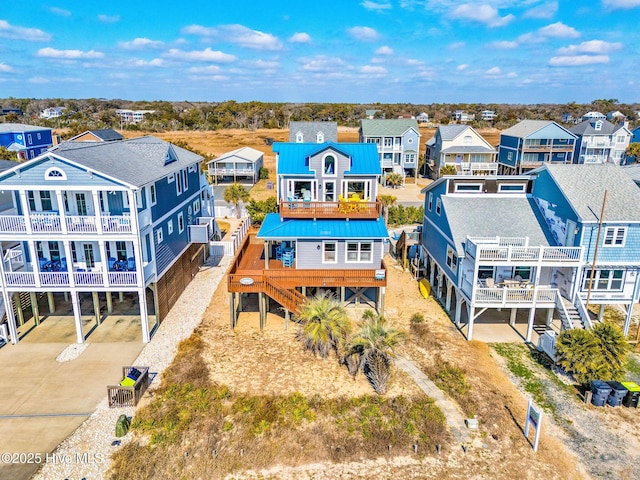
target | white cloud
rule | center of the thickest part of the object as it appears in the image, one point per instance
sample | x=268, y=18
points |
x=482, y=14
x=141, y=43
x=578, y=60
x=300, y=37
x=559, y=30
x=620, y=4
x=109, y=18
x=322, y=63
x=373, y=70
x=494, y=71
x=60, y=11
x=456, y=45
x=156, y=62
x=592, y=46
x=369, y=5
x=206, y=55
x=5, y=68
x=21, y=33
x=265, y=64
x=207, y=69
x=38, y=80
x=49, y=52
x=512, y=75
x=365, y=34
x=504, y=44
x=384, y=50
x=462, y=67
x=237, y=34
x=546, y=10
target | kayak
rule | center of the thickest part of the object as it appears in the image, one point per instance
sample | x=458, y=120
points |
x=425, y=287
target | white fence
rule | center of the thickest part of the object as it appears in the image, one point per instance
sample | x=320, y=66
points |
x=229, y=247
x=229, y=211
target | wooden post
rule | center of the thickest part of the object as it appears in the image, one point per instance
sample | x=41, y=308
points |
x=109, y=303
x=34, y=307
x=512, y=319
x=96, y=306
x=16, y=299
x=52, y=305
x=342, y=290
x=595, y=251
x=232, y=310
x=261, y=307
x=120, y=297
x=381, y=292
x=287, y=317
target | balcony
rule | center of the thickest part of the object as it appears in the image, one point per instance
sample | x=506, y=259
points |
x=337, y=210
x=515, y=297
x=52, y=223
x=64, y=279
x=516, y=250
x=548, y=148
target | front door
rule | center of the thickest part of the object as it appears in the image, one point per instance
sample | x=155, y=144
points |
x=88, y=255
x=329, y=191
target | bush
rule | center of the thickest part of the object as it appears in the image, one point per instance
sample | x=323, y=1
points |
x=264, y=173
x=258, y=209
x=417, y=318
x=401, y=215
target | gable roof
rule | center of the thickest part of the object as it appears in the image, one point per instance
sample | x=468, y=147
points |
x=245, y=153
x=309, y=131
x=137, y=161
x=450, y=132
x=273, y=228
x=20, y=127
x=102, y=135
x=293, y=157
x=588, y=128
x=395, y=126
x=527, y=128
x=490, y=216
x=584, y=187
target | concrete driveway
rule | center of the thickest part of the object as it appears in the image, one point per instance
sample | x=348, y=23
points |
x=42, y=401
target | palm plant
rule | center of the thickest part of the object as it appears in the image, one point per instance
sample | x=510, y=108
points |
x=376, y=342
x=324, y=324
x=613, y=349
x=387, y=201
x=576, y=350
x=236, y=193
x=393, y=180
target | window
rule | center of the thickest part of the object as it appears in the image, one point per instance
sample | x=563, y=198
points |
x=511, y=187
x=430, y=202
x=485, y=272
x=39, y=136
x=615, y=236
x=178, y=182
x=598, y=125
x=410, y=158
x=196, y=205
x=438, y=205
x=299, y=137
x=620, y=139
x=88, y=255
x=467, y=140
x=604, y=280
x=152, y=194
x=54, y=174
x=509, y=155
x=54, y=250
x=192, y=169
x=360, y=188
x=121, y=250
x=45, y=199
x=329, y=165
x=159, y=235
x=523, y=272
x=452, y=259
x=329, y=252
x=32, y=200
x=170, y=178
x=320, y=137
x=169, y=227
x=468, y=187
x=185, y=181
x=359, y=252
x=29, y=139
x=388, y=141
x=181, y=222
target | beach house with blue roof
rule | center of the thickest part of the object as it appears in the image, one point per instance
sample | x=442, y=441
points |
x=329, y=233
x=129, y=217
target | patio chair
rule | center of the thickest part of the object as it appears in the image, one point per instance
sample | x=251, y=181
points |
x=278, y=252
x=63, y=264
x=43, y=261
x=489, y=282
x=131, y=264
x=287, y=259
x=111, y=262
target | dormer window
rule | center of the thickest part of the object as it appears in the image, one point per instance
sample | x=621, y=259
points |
x=467, y=140
x=598, y=125
x=55, y=173
x=299, y=137
x=320, y=137
x=329, y=165
x=170, y=157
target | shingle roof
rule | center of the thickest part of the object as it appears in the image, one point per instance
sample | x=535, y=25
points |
x=396, y=126
x=450, y=132
x=275, y=229
x=484, y=216
x=246, y=153
x=311, y=129
x=588, y=128
x=20, y=127
x=292, y=157
x=107, y=134
x=584, y=187
x=468, y=149
x=527, y=127
x=137, y=161
x=7, y=164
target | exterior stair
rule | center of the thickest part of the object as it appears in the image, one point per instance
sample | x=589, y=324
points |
x=290, y=299
x=570, y=316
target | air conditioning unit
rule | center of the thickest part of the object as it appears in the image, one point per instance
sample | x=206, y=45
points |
x=547, y=343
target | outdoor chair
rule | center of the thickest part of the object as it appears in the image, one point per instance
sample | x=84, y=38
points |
x=287, y=259
x=489, y=282
x=111, y=262
x=131, y=264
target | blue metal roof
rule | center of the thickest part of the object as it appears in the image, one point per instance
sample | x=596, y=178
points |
x=293, y=158
x=275, y=229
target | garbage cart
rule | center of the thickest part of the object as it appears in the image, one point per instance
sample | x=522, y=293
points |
x=632, y=398
x=601, y=391
x=617, y=394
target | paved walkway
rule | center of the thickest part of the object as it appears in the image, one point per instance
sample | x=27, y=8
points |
x=453, y=416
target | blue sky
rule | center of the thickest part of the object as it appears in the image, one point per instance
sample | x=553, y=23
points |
x=415, y=51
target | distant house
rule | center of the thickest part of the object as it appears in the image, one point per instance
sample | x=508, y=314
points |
x=104, y=135
x=616, y=116
x=600, y=141
x=407, y=116
x=132, y=116
x=371, y=114
x=313, y=132
x=27, y=141
x=463, y=148
x=397, y=140
x=52, y=112
x=423, y=117
x=462, y=116
x=532, y=143
x=594, y=116
x=244, y=162
x=567, y=118
x=8, y=110
x=488, y=115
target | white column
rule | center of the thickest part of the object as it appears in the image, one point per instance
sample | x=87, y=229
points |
x=144, y=315
x=512, y=318
x=105, y=263
x=67, y=252
x=34, y=261
x=458, y=311
x=25, y=210
x=472, y=313
x=532, y=314
x=61, y=211
x=96, y=209
x=11, y=318
x=77, y=315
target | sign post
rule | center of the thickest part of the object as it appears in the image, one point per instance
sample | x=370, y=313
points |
x=534, y=417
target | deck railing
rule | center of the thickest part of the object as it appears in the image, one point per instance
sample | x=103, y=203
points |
x=528, y=254
x=511, y=296
x=81, y=224
x=63, y=279
x=308, y=209
x=51, y=223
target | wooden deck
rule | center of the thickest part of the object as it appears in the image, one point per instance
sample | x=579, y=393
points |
x=338, y=210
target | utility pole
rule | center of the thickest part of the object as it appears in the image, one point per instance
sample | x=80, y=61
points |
x=595, y=252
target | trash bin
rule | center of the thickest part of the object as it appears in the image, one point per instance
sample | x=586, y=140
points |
x=269, y=185
x=632, y=398
x=618, y=392
x=601, y=391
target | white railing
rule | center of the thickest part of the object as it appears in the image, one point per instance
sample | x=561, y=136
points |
x=148, y=270
x=20, y=279
x=81, y=223
x=12, y=223
x=582, y=311
x=229, y=247
x=512, y=296
x=231, y=171
x=529, y=254
x=45, y=223
x=116, y=224
x=54, y=279
x=88, y=278
x=564, y=315
x=123, y=278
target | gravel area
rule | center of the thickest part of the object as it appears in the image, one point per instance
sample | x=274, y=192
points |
x=96, y=436
x=72, y=352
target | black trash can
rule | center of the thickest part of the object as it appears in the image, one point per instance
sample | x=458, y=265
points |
x=632, y=398
x=601, y=391
x=618, y=392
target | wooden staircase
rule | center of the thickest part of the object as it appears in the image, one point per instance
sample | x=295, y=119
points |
x=570, y=316
x=290, y=299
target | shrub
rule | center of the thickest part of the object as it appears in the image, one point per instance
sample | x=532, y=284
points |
x=264, y=173
x=258, y=209
x=417, y=318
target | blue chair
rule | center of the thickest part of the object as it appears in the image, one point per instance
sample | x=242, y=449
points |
x=131, y=264
x=279, y=252
x=287, y=259
x=43, y=261
x=63, y=264
x=111, y=262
